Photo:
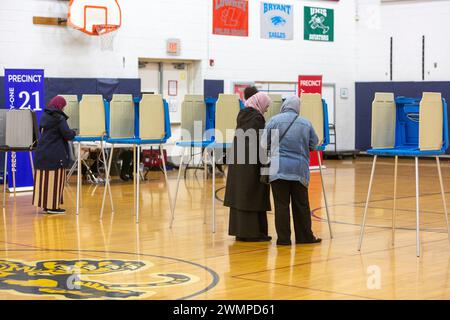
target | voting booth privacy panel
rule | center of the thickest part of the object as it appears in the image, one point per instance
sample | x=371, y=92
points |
x=275, y=106
x=409, y=126
x=193, y=118
x=227, y=110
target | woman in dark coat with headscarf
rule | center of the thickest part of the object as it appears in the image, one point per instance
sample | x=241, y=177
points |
x=52, y=157
x=248, y=198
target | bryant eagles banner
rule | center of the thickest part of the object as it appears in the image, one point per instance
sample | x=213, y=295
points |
x=230, y=17
x=277, y=21
x=319, y=24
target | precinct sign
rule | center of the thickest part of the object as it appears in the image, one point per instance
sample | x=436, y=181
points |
x=24, y=89
x=277, y=21
x=319, y=24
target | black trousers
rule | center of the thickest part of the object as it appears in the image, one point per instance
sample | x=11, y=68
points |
x=294, y=193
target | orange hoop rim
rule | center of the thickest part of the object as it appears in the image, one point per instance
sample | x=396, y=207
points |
x=102, y=29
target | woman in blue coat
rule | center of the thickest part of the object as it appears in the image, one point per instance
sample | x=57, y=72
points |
x=289, y=176
x=52, y=157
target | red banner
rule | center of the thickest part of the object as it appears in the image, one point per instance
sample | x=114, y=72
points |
x=311, y=84
x=230, y=17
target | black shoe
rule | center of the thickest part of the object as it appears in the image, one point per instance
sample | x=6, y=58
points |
x=54, y=211
x=262, y=239
x=315, y=240
x=283, y=243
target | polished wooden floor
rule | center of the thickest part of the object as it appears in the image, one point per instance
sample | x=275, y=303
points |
x=214, y=266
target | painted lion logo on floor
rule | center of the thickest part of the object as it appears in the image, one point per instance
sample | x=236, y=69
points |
x=64, y=278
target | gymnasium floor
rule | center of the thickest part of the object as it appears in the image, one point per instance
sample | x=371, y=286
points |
x=57, y=257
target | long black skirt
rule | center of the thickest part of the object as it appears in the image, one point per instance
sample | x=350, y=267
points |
x=248, y=224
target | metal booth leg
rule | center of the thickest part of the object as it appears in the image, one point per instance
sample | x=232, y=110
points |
x=363, y=224
x=107, y=171
x=107, y=177
x=417, y=209
x=79, y=174
x=205, y=178
x=180, y=168
x=394, y=209
x=5, y=172
x=324, y=195
x=213, y=163
x=32, y=163
x=13, y=155
x=167, y=179
x=138, y=185
x=444, y=202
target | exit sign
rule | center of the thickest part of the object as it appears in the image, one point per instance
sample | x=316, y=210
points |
x=173, y=47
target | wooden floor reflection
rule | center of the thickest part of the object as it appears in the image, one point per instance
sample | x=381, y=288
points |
x=214, y=266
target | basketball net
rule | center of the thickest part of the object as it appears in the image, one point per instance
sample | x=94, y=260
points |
x=107, y=34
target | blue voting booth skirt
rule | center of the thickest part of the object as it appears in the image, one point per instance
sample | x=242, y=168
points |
x=49, y=188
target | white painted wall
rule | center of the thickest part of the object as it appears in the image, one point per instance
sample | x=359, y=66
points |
x=406, y=22
x=146, y=26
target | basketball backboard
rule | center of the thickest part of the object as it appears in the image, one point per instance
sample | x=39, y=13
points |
x=95, y=17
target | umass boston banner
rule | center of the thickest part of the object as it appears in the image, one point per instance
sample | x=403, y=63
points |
x=319, y=24
x=277, y=21
x=230, y=17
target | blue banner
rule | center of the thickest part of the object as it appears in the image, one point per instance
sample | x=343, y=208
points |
x=24, y=89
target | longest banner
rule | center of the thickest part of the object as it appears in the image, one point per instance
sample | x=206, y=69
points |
x=24, y=89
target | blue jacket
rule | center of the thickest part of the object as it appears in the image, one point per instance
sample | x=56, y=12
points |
x=52, y=151
x=290, y=159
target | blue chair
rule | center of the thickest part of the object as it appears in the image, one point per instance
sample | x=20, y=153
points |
x=149, y=125
x=315, y=109
x=412, y=128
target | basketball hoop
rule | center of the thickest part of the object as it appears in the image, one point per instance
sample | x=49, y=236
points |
x=107, y=34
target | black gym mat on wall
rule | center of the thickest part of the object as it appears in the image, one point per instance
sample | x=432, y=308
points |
x=79, y=86
x=365, y=92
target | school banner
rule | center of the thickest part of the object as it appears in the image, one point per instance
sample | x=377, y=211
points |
x=319, y=24
x=24, y=89
x=277, y=21
x=230, y=17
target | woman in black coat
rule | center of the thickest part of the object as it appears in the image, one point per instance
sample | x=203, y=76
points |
x=248, y=198
x=52, y=157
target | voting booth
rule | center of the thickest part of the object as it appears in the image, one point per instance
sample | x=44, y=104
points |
x=92, y=111
x=195, y=116
x=408, y=127
x=220, y=125
x=137, y=122
x=19, y=133
x=315, y=109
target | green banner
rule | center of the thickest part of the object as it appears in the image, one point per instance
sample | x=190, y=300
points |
x=319, y=24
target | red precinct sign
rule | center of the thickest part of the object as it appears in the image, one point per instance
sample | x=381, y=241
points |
x=310, y=84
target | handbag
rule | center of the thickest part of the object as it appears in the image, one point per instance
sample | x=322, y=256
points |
x=264, y=178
